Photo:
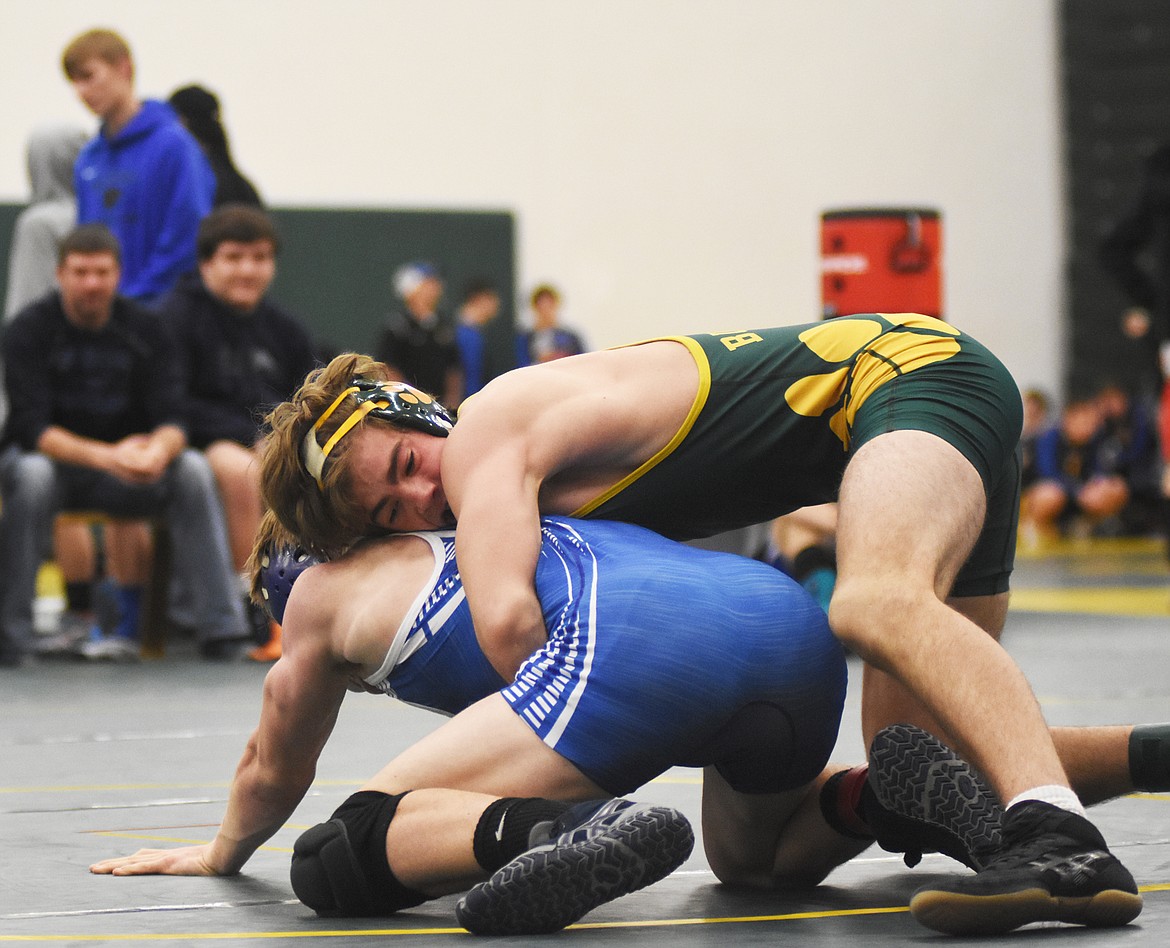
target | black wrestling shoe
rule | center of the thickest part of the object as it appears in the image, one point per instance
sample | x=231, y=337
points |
x=1054, y=867
x=594, y=853
x=930, y=799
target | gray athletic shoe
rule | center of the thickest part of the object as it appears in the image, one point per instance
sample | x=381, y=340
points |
x=110, y=648
x=74, y=631
x=595, y=852
x=931, y=800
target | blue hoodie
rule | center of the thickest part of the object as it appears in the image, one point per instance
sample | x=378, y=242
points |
x=151, y=185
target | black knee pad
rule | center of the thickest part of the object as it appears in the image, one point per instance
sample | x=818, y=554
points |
x=339, y=868
x=754, y=750
x=1149, y=757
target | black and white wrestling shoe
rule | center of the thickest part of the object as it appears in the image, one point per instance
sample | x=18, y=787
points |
x=595, y=852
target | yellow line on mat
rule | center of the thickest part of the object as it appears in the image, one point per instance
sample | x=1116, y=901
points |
x=1097, y=547
x=1099, y=600
x=654, y=923
x=415, y=932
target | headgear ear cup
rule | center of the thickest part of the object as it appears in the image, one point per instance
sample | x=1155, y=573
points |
x=279, y=570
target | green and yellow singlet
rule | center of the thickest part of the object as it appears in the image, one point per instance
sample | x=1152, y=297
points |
x=779, y=411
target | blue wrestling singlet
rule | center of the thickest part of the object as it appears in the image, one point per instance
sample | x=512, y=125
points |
x=658, y=655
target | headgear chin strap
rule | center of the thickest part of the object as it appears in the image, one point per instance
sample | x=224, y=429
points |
x=397, y=402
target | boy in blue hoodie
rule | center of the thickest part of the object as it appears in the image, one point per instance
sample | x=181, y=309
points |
x=143, y=175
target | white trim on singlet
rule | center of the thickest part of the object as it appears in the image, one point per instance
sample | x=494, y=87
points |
x=587, y=643
x=403, y=645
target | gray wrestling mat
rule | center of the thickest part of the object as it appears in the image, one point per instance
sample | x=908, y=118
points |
x=97, y=761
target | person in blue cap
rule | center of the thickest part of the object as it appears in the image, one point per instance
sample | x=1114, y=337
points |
x=419, y=342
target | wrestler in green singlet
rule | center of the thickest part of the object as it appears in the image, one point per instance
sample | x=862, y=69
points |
x=778, y=412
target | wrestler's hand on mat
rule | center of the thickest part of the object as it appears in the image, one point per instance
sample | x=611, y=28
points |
x=187, y=861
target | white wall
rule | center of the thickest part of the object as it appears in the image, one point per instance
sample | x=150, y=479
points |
x=667, y=159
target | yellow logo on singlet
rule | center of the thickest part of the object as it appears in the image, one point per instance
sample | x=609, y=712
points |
x=740, y=339
x=868, y=360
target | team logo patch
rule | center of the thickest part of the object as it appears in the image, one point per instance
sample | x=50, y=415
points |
x=869, y=354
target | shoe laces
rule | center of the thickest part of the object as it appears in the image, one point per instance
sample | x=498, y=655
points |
x=1033, y=829
x=583, y=820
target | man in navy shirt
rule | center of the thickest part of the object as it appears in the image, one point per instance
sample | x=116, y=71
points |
x=239, y=355
x=96, y=423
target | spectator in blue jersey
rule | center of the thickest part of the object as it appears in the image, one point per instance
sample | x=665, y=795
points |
x=481, y=304
x=547, y=339
x=1129, y=449
x=1072, y=482
x=1037, y=420
x=144, y=176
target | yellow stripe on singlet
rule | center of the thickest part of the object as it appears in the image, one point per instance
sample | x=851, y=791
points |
x=684, y=429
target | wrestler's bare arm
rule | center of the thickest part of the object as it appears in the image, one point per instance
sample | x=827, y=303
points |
x=301, y=699
x=498, y=539
x=302, y=695
x=546, y=440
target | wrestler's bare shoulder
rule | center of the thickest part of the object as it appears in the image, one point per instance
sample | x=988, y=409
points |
x=625, y=365
x=655, y=375
x=356, y=603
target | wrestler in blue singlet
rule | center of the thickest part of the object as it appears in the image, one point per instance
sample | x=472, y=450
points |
x=658, y=655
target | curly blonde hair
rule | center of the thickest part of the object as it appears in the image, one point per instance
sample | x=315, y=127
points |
x=324, y=520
